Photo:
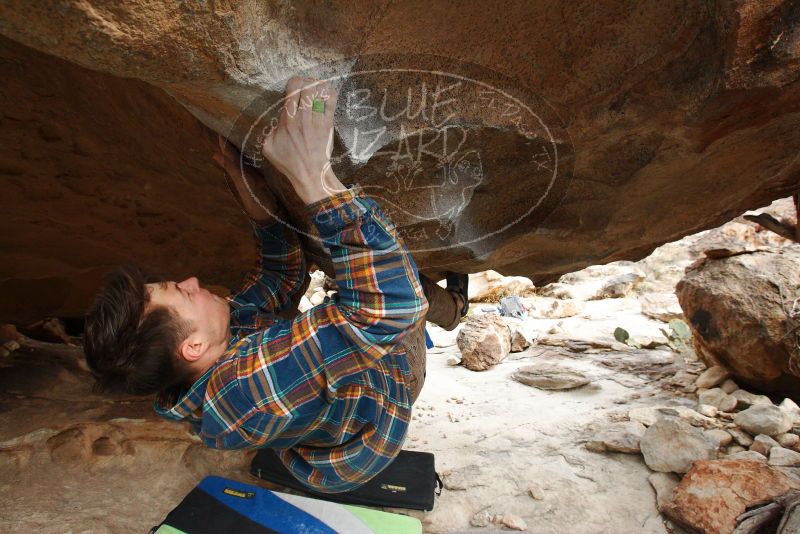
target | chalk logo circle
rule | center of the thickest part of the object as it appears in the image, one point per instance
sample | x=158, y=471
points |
x=429, y=137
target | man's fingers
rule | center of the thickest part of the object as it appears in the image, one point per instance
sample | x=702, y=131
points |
x=292, y=98
x=309, y=92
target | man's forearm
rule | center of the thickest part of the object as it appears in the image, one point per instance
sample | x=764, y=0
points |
x=281, y=271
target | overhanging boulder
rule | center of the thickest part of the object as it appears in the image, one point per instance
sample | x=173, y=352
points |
x=641, y=123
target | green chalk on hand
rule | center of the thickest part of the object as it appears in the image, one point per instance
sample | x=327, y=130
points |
x=318, y=106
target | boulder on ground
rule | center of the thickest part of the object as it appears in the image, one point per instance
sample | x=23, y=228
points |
x=764, y=419
x=618, y=286
x=550, y=308
x=484, y=340
x=549, y=376
x=713, y=376
x=742, y=438
x=737, y=308
x=792, y=409
x=782, y=457
x=557, y=290
x=518, y=341
x=762, y=444
x=747, y=455
x=729, y=386
x=715, y=492
x=745, y=399
x=788, y=440
x=664, y=485
x=661, y=306
x=671, y=445
x=618, y=437
x=491, y=286
x=719, y=436
x=648, y=415
x=717, y=398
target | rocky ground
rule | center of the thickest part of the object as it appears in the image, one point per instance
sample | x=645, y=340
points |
x=571, y=433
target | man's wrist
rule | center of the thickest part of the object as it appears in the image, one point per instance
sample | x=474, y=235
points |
x=336, y=211
x=313, y=189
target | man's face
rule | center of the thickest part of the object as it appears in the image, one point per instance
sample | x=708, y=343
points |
x=208, y=314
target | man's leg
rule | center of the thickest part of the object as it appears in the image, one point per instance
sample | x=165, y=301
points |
x=444, y=305
x=445, y=308
x=414, y=343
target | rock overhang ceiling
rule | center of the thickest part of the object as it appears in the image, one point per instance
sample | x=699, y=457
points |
x=568, y=136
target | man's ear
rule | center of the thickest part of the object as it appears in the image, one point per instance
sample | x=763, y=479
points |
x=192, y=348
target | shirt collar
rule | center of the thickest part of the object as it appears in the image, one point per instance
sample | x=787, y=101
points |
x=181, y=403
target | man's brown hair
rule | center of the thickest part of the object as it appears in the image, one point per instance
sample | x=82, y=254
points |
x=131, y=350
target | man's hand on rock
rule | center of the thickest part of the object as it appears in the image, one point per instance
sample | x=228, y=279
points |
x=300, y=145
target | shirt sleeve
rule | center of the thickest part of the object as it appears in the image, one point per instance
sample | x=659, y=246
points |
x=379, y=297
x=273, y=285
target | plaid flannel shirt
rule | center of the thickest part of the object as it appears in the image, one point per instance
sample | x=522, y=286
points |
x=328, y=389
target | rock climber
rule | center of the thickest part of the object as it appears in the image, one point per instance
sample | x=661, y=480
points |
x=331, y=389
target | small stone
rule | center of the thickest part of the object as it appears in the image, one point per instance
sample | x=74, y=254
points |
x=512, y=521
x=713, y=376
x=672, y=445
x=482, y=518
x=742, y=438
x=697, y=419
x=618, y=437
x=728, y=404
x=458, y=480
x=707, y=410
x=788, y=440
x=646, y=415
x=719, y=436
x=536, y=492
x=550, y=377
x=663, y=484
x=547, y=308
x=744, y=398
x=683, y=378
x=618, y=286
x=790, y=407
x=747, y=455
x=518, y=341
x=661, y=306
x=728, y=386
x=733, y=449
x=764, y=419
x=719, y=399
x=453, y=360
x=762, y=444
x=782, y=457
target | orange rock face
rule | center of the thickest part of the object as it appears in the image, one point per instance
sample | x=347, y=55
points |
x=715, y=492
x=96, y=171
x=533, y=140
